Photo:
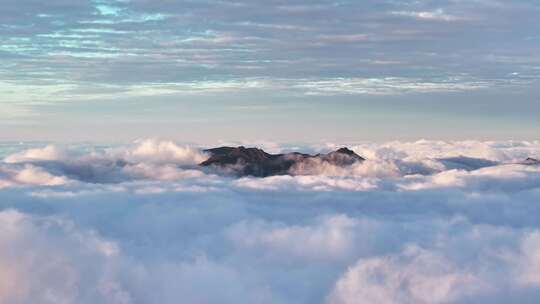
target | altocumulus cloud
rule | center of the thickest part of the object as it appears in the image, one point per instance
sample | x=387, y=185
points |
x=419, y=222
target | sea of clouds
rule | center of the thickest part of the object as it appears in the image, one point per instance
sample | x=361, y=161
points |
x=418, y=222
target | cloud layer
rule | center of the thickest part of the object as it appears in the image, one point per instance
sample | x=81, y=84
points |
x=419, y=222
x=105, y=48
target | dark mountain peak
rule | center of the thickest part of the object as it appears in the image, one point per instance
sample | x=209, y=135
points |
x=531, y=161
x=234, y=155
x=342, y=157
x=254, y=161
x=345, y=150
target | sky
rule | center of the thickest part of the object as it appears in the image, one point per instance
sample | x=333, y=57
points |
x=288, y=71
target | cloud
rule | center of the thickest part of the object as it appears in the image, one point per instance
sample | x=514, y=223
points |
x=131, y=44
x=155, y=151
x=47, y=153
x=46, y=260
x=416, y=276
x=436, y=15
x=36, y=176
x=142, y=223
x=386, y=86
x=327, y=239
x=29, y=175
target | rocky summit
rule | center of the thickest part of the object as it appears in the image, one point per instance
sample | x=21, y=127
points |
x=244, y=161
x=531, y=161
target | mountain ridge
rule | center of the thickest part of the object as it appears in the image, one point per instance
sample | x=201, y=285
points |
x=256, y=162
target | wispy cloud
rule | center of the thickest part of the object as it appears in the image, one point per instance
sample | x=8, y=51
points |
x=110, y=50
x=436, y=15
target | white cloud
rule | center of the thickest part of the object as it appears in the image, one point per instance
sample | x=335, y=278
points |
x=330, y=238
x=143, y=224
x=36, y=176
x=47, y=261
x=528, y=265
x=155, y=151
x=416, y=276
x=49, y=152
x=437, y=15
x=385, y=86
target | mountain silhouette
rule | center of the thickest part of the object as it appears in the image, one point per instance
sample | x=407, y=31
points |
x=244, y=161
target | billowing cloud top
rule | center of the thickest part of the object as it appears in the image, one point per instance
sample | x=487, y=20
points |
x=419, y=222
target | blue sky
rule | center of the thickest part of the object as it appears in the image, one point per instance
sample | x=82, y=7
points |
x=204, y=71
